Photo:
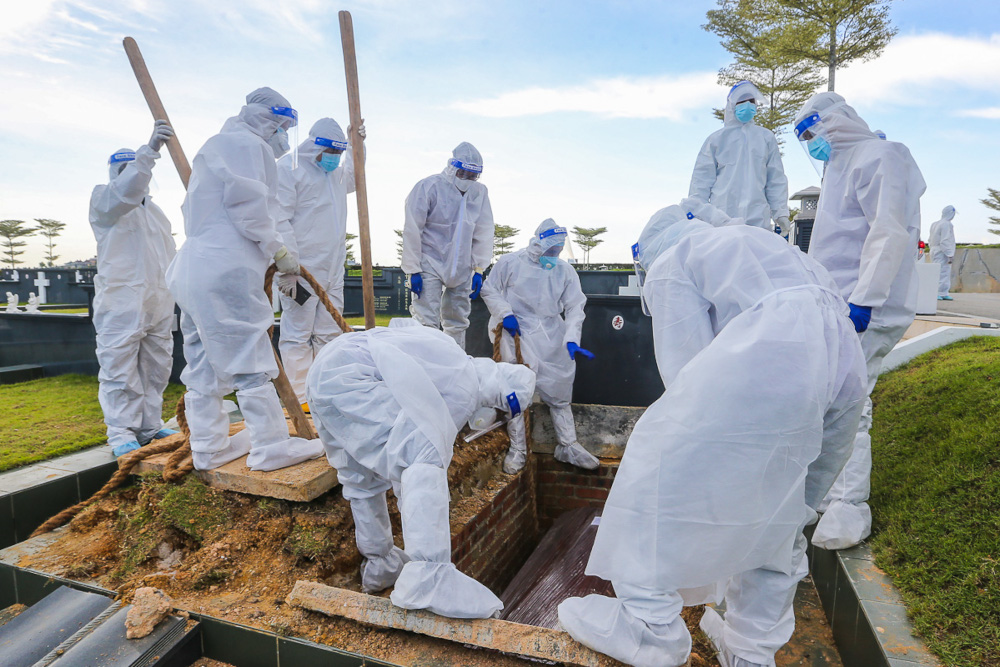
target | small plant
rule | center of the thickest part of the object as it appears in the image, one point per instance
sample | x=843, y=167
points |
x=309, y=540
x=193, y=509
x=213, y=577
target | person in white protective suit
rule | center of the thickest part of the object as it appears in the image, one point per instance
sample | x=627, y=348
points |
x=217, y=279
x=739, y=168
x=530, y=292
x=867, y=224
x=943, y=249
x=312, y=221
x=133, y=310
x=388, y=404
x=448, y=242
x=719, y=478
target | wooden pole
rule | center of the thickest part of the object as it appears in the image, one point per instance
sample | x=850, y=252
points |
x=156, y=107
x=303, y=428
x=357, y=148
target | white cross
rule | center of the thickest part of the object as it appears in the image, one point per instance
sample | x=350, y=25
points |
x=79, y=277
x=41, y=283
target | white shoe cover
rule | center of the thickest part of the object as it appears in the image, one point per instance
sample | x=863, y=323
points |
x=239, y=445
x=843, y=525
x=576, y=455
x=378, y=574
x=283, y=454
x=714, y=628
x=605, y=625
x=442, y=589
x=514, y=461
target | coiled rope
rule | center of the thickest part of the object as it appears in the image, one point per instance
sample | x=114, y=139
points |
x=180, y=463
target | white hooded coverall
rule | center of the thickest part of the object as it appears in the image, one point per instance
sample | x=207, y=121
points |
x=448, y=233
x=548, y=305
x=739, y=168
x=133, y=310
x=867, y=224
x=719, y=477
x=388, y=404
x=312, y=221
x=942, y=244
x=217, y=279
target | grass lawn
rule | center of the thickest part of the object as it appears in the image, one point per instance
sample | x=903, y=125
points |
x=54, y=416
x=380, y=320
x=936, y=496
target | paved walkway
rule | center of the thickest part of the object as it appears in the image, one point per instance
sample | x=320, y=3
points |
x=972, y=305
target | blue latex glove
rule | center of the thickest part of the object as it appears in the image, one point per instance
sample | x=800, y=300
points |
x=477, y=284
x=861, y=316
x=510, y=324
x=416, y=284
x=574, y=348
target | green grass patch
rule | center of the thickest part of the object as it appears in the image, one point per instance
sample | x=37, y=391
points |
x=380, y=320
x=936, y=496
x=71, y=311
x=53, y=416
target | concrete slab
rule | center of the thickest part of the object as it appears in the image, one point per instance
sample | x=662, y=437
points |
x=924, y=323
x=29, y=476
x=526, y=640
x=300, y=483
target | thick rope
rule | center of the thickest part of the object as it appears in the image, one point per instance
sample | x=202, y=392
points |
x=498, y=357
x=180, y=463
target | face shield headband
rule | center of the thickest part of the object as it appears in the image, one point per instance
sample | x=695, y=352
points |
x=467, y=171
x=330, y=143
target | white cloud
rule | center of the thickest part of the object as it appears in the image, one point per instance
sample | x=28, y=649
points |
x=990, y=113
x=671, y=97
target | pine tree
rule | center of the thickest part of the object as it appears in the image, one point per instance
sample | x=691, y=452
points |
x=399, y=245
x=992, y=202
x=350, y=258
x=502, y=239
x=586, y=238
x=11, y=231
x=50, y=229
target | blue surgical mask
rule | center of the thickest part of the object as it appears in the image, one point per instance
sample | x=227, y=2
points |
x=329, y=162
x=820, y=148
x=744, y=111
x=548, y=263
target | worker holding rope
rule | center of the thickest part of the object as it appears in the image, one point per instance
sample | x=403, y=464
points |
x=215, y=278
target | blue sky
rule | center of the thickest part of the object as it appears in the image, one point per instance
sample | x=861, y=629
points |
x=591, y=113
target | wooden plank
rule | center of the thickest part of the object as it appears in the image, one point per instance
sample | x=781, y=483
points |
x=358, y=150
x=505, y=636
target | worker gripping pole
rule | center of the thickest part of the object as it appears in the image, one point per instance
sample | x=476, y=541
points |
x=156, y=107
x=357, y=148
x=303, y=428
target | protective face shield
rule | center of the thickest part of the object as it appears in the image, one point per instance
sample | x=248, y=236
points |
x=640, y=276
x=552, y=241
x=813, y=137
x=287, y=136
x=745, y=111
x=465, y=173
x=118, y=161
x=880, y=134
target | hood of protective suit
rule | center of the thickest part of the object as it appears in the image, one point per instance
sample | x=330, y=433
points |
x=498, y=380
x=327, y=128
x=116, y=168
x=665, y=230
x=257, y=112
x=844, y=126
x=948, y=213
x=535, y=246
x=465, y=152
x=744, y=90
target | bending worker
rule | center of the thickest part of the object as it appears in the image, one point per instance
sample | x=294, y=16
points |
x=448, y=242
x=718, y=480
x=943, y=250
x=530, y=291
x=133, y=310
x=218, y=281
x=739, y=168
x=867, y=224
x=312, y=221
x=388, y=404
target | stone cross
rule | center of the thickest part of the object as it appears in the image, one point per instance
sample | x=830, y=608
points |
x=41, y=282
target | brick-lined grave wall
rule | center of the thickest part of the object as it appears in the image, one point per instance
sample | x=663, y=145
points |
x=562, y=487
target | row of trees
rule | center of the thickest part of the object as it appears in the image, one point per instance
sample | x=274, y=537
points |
x=783, y=46
x=12, y=232
x=503, y=243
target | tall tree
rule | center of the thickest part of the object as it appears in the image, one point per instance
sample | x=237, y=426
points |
x=399, y=245
x=50, y=229
x=992, y=202
x=11, y=231
x=502, y=235
x=836, y=32
x=752, y=30
x=350, y=258
x=586, y=238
